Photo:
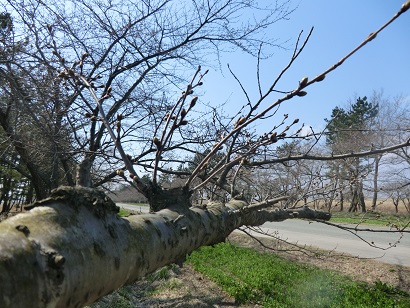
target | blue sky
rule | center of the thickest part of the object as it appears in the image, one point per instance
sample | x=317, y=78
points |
x=383, y=64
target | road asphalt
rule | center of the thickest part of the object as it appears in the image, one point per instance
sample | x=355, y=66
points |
x=330, y=238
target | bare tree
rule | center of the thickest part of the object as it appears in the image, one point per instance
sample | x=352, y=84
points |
x=76, y=246
x=136, y=51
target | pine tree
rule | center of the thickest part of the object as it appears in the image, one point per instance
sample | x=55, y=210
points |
x=347, y=131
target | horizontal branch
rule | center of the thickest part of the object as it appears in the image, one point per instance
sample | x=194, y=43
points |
x=331, y=157
x=73, y=248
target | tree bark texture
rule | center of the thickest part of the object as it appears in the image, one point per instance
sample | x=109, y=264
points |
x=73, y=248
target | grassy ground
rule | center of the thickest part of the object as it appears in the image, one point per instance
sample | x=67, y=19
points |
x=124, y=213
x=272, y=281
x=229, y=275
x=372, y=218
x=241, y=273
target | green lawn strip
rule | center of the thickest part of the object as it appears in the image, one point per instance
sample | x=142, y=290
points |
x=254, y=277
x=123, y=212
x=138, y=204
x=371, y=218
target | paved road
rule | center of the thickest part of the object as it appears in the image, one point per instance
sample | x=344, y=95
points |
x=136, y=208
x=331, y=238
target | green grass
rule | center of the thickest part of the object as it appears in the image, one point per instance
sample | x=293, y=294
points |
x=253, y=277
x=123, y=212
x=138, y=204
x=371, y=218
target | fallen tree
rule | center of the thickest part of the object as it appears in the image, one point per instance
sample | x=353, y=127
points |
x=72, y=248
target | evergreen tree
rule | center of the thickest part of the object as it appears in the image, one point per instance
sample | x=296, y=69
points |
x=347, y=131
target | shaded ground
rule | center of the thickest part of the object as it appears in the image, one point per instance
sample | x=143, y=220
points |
x=183, y=287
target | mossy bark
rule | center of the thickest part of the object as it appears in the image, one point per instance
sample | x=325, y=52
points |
x=73, y=248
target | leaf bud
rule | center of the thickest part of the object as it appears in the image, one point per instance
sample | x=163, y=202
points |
x=372, y=36
x=183, y=122
x=71, y=73
x=320, y=77
x=62, y=74
x=183, y=113
x=303, y=82
x=240, y=122
x=405, y=6
x=244, y=161
x=193, y=101
x=274, y=137
x=120, y=172
x=87, y=115
x=295, y=121
x=301, y=93
x=157, y=142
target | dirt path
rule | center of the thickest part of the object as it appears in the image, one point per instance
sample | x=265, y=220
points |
x=186, y=288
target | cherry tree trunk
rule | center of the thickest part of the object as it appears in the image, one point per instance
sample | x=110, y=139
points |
x=73, y=248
